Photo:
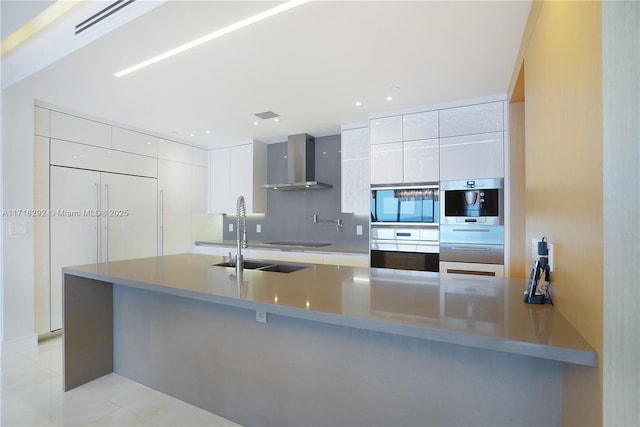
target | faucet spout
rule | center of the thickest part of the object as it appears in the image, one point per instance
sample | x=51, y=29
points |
x=241, y=236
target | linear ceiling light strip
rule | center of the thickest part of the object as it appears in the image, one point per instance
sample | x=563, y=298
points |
x=233, y=27
x=104, y=13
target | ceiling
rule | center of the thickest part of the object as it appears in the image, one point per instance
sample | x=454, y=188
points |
x=310, y=65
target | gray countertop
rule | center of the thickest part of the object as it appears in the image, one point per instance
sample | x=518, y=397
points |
x=476, y=311
x=330, y=248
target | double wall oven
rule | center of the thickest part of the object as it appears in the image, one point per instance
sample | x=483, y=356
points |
x=404, y=227
x=472, y=227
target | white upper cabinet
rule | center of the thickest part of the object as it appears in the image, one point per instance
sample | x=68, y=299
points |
x=472, y=119
x=386, y=163
x=422, y=125
x=41, y=116
x=414, y=157
x=235, y=171
x=472, y=156
x=134, y=142
x=219, y=179
x=421, y=161
x=64, y=153
x=386, y=129
x=174, y=151
x=355, y=170
x=77, y=129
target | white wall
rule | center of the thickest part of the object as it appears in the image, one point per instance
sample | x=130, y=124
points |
x=18, y=331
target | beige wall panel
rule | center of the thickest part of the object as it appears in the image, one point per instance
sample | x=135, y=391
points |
x=563, y=114
x=621, y=156
x=519, y=264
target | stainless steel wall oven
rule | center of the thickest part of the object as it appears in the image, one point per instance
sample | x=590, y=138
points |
x=404, y=227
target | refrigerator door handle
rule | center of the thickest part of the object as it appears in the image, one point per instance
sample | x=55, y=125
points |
x=161, y=223
x=106, y=221
x=97, y=215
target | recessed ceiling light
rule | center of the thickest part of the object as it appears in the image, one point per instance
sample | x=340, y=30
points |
x=214, y=35
x=192, y=134
x=389, y=98
x=256, y=123
x=207, y=132
x=276, y=119
x=358, y=104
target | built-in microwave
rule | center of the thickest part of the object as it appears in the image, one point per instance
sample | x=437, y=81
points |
x=478, y=201
x=415, y=204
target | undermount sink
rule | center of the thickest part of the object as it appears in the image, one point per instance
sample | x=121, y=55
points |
x=264, y=266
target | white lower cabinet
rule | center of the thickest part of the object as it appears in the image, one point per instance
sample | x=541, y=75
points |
x=95, y=217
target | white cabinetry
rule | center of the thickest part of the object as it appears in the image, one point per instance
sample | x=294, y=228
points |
x=97, y=216
x=413, y=156
x=134, y=142
x=355, y=170
x=68, y=127
x=421, y=161
x=182, y=191
x=423, y=125
x=99, y=181
x=472, y=156
x=386, y=163
x=386, y=129
x=471, y=119
x=235, y=171
x=174, y=191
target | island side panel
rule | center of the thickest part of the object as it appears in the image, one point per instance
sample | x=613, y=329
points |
x=297, y=372
x=87, y=330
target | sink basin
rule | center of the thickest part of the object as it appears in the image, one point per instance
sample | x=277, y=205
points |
x=265, y=266
x=248, y=265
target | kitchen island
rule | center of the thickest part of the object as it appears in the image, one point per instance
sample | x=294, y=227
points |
x=340, y=346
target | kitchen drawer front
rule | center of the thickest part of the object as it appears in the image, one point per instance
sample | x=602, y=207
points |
x=462, y=252
x=489, y=235
x=494, y=270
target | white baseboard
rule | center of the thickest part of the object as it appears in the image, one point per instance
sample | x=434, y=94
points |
x=18, y=345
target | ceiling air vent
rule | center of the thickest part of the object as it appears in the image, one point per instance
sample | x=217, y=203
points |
x=267, y=115
x=104, y=13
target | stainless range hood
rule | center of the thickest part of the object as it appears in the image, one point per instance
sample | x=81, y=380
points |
x=301, y=165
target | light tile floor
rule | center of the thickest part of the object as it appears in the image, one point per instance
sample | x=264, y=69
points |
x=31, y=387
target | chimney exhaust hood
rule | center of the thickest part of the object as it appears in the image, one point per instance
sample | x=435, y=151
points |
x=301, y=165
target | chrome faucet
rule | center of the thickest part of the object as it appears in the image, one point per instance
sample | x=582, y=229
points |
x=241, y=219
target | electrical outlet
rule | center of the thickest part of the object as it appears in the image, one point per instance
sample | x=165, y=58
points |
x=261, y=316
x=358, y=230
x=258, y=228
x=534, y=252
x=231, y=227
